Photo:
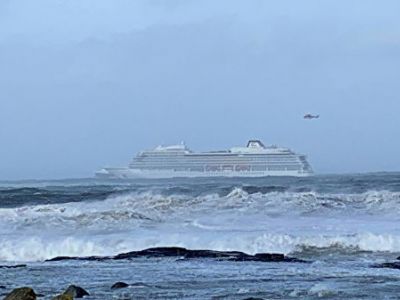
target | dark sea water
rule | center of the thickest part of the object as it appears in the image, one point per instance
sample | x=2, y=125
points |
x=342, y=224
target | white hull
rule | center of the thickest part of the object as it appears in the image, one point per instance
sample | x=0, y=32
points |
x=127, y=173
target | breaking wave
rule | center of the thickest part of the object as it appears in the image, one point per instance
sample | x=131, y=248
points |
x=147, y=207
x=40, y=248
x=40, y=223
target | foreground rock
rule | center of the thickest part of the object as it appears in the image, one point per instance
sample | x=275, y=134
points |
x=24, y=293
x=119, y=285
x=76, y=291
x=63, y=297
x=184, y=253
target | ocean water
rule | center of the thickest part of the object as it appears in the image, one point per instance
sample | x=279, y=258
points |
x=342, y=224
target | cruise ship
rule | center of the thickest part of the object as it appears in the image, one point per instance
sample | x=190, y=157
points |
x=253, y=160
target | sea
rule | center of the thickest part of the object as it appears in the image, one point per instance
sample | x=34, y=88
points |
x=343, y=226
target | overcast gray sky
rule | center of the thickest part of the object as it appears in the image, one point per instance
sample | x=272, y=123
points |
x=88, y=83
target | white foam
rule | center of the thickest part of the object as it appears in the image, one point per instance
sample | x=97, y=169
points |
x=272, y=222
x=40, y=248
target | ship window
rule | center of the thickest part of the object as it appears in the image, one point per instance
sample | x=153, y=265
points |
x=259, y=168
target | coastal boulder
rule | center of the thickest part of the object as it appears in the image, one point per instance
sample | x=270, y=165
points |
x=119, y=285
x=63, y=297
x=24, y=293
x=76, y=291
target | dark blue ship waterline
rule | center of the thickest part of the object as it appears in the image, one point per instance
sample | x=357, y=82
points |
x=343, y=225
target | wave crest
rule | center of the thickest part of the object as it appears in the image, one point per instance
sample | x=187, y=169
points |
x=307, y=222
x=313, y=247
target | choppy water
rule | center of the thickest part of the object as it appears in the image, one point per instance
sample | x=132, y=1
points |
x=342, y=223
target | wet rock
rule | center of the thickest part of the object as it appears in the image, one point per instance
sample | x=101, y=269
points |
x=86, y=258
x=277, y=257
x=390, y=265
x=24, y=293
x=119, y=285
x=229, y=255
x=12, y=266
x=268, y=257
x=63, y=297
x=220, y=255
x=183, y=253
x=153, y=252
x=60, y=258
x=76, y=291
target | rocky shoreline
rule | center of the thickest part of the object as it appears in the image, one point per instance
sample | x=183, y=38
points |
x=183, y=253
x=71, y=293
x=176, y=253
x=75, y=292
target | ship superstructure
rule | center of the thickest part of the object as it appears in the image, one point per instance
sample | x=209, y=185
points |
x=254, y=160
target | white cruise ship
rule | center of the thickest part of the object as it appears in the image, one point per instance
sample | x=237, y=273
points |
x=254, y=160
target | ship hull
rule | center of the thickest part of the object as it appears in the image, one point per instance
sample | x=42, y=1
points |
x=127, y=173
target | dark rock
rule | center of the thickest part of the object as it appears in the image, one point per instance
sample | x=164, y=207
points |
x=119, y=285
x=24, y=293
x=153, y=252
x=277, y=257
x=86, y=258
x=60, y=258
x=270, y=256
x=222, y=255
x=76, y=291
x=189, y=254
x=2, y=287
x=231, y=255
x=390, y=265
x=63, y=297
x=12, y=266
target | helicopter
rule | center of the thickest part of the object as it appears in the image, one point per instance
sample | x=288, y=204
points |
x=310, y=116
